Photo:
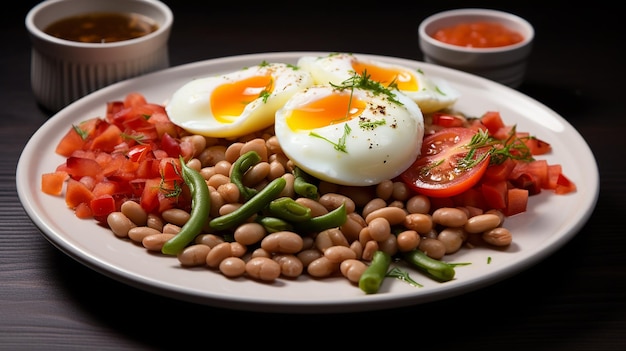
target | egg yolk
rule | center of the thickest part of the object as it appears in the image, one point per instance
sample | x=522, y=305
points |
x=329, y=110
x=230, y=99
x=404, y=80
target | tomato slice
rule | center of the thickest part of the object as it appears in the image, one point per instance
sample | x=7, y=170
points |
x=439, y=172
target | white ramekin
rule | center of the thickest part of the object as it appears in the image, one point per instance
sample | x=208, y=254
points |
x=506, y=64
x=63, y=71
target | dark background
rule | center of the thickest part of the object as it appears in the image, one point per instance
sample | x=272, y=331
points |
x=573, y=300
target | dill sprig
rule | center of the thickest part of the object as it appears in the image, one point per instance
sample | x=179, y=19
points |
x=364, y=81
x=340, y=145
x=138, y=138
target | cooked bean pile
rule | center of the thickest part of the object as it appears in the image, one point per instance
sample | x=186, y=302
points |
x=386, y=217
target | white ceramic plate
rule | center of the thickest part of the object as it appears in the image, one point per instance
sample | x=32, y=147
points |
x=551, y=220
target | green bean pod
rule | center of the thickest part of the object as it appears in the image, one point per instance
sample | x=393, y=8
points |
x=436, y=269
x=239, y=168
x=289, y=210
x=332, y=219
x=303, y=186
x=200, y=207
x=372, y=278
x=257, y=203
x=273, y=224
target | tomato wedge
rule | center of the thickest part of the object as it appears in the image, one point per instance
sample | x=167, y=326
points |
x=442, y=170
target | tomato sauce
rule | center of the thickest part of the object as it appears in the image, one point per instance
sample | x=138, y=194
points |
x=478, y=35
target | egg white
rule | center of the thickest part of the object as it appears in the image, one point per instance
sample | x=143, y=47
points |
x=383, y=141
x=431, y=94
x=191, y=107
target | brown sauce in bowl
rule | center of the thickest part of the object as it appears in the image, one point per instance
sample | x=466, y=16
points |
x=102, y=27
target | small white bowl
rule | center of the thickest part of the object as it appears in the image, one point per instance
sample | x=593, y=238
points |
x=504, y=64
x=63, y=71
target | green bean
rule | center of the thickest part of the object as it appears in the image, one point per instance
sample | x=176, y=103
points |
x=289, y=210
x=372, y=278
x=200, y=207
x=273, y=224
x=303, y=186
x=239, y=168
x=250, y=207
x=332, y=219
x=436, y=269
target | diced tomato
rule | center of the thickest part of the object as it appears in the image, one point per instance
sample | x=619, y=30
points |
x=139, y=152
x=531, y=175
x=472, y=197
x=76, y=137
x=537, y=146
x=564, y=185
x=499, y=172
x=77, y=193
x=130, y=154
x=554, y=171
x=528, y=182
x=163, y=124
x=495, y=194
x=52, y=183
x=134, y=99
x=517, y=201
x=447, y=120
x=71, y=142
x=170, y=145
x=148, y=168
x=492, y=120
x=475, y=124
x=170, y=169
x=159, y=195
x=106, y=187
x=136, y=121
x=79, y=167
x=502, y=133
x=107, y=140
x=150, y=195
x=102, y=206
x=83, y=211
x=112, y=108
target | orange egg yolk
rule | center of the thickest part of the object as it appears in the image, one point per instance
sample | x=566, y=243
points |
x=331, y=109
x=230, y=99
x=403, y=79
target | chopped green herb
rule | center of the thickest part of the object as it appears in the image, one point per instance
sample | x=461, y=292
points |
x=340, y=145
x=82, y=133
x=459, y=264
x=369, y=124
x=138, y=138
x=398, y=273
x=363, y=81
x=265, y=95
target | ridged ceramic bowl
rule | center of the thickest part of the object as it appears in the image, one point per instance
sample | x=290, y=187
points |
x=503, y=64
x=63, y=71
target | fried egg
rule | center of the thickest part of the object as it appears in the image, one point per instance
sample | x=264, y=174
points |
x=236, y=103
x=353, y=137
x=431, y=94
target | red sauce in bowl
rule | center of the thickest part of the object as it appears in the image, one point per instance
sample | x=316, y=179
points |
x=478, y=35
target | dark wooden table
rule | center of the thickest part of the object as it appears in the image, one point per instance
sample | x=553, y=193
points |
x=573, y=300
